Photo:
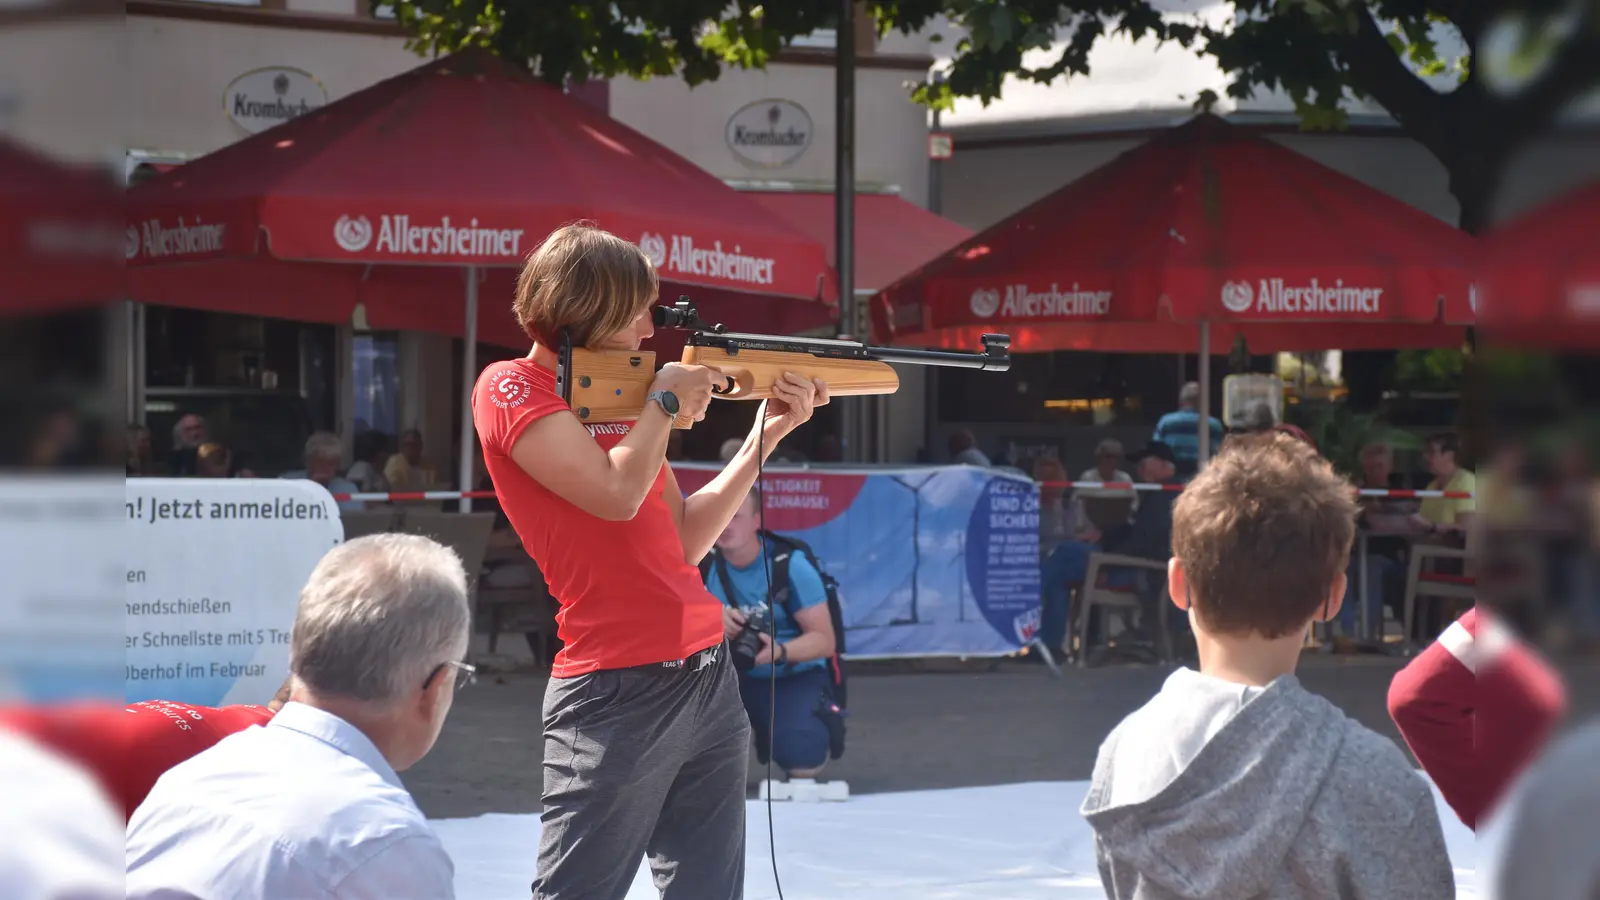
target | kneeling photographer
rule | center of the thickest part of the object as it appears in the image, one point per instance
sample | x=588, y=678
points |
x=797, y=717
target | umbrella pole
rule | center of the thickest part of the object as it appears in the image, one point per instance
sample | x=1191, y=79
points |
x=851, y=410
x=469, y=373
x=1205, y=392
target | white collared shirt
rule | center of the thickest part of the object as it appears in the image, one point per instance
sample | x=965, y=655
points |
x=303, y=808
x=58, y=830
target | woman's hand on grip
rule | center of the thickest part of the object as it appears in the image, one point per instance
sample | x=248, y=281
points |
x=794, y=397
x=690, y=384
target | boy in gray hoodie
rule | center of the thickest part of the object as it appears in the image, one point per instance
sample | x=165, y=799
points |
x=1234, y=782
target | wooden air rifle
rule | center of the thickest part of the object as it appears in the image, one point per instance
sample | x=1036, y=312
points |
x=610, y=385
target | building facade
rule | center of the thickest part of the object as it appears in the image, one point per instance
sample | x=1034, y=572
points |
x=203, y=75
x=1041, y=138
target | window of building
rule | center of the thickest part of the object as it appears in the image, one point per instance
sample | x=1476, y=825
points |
x=375, y=375
x=262, y=385
x=821, y=39
x=1059, y=388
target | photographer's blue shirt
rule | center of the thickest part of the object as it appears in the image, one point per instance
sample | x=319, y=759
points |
x=750, y=590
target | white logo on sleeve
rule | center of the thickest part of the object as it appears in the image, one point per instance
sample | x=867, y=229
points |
x=1237, y=296
x=985, y=302
x=131, y=247
x=353, y=235
x=509, y=390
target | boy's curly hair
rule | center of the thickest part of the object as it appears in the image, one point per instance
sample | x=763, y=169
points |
x=1263, y=533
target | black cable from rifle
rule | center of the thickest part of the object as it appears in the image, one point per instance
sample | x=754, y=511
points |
x=772, y=632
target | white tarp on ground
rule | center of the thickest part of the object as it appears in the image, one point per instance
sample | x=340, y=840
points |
x=1013, y=842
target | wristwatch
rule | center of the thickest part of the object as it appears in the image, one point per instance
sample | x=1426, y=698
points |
x=783, y=654
x=667, y=399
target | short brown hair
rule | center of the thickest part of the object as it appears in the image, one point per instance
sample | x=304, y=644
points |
x=1445, y=442
x=1263, y=532
x=584, y=279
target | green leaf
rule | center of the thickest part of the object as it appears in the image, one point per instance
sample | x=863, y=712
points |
x=1002, y=26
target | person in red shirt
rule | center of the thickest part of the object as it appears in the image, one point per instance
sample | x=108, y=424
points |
x=645, y=741
x=1475, y=708
x=127, y=748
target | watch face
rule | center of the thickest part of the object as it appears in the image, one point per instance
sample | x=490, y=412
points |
x=669, y=401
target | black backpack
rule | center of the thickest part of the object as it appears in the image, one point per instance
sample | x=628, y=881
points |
x=785, y=547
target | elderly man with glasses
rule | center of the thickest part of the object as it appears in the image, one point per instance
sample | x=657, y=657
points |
x=310, y=805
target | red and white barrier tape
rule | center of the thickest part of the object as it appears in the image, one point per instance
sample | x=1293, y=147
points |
x=402, y=497
x=405, y=496
x=1156, y=486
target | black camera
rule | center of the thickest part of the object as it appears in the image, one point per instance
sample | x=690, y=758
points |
x=747, y=643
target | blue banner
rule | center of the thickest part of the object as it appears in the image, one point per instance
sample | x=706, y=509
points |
x=933, y=561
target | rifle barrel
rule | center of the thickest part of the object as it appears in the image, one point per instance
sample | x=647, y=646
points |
x=995, y=356
x=945, y=358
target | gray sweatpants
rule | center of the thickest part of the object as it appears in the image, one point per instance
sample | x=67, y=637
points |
x=643, y=762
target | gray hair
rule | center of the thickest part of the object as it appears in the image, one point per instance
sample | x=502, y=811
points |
x=1109, y=445
x=378, y=614
x=1189, y=395
x=324, y=445
x=1260, y=418
x=178, y=440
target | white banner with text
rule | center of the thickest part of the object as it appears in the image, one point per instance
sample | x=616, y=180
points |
x=214, y=572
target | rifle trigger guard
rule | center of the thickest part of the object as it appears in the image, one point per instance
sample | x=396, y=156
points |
x=729, y=387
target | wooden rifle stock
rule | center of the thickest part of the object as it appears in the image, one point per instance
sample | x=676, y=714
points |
x=611, y=385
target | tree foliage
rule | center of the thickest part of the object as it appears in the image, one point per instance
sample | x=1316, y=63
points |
x=1319, y=52
x=577, y=40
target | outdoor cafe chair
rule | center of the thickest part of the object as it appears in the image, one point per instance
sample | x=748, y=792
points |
x=1120, y=601
x=1429, y=586
x=361, y=523
x=525, y=607
x=465, y=533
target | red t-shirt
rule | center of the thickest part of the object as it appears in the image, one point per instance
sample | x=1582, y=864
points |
x=1475, y=707
x=128, y=748
x=627, y=596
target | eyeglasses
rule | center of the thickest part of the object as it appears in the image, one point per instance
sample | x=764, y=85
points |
x=468, y=673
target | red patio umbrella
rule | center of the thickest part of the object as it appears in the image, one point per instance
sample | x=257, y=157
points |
x=1539, y=282
x=60, y=233
x=1206, y=223
x=464, y=162
x=390, y=198
x=1202, y=234
x=892, y=236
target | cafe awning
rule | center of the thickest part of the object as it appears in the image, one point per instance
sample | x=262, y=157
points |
x=1207, y=224
x=60, y=233
x=1539, y=282
x=382, y=198
x=893, y=237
